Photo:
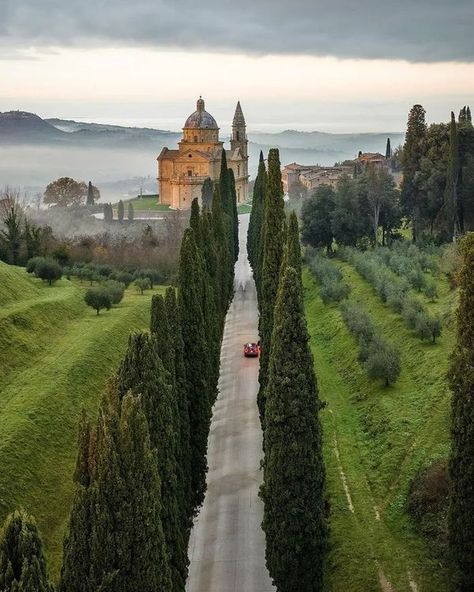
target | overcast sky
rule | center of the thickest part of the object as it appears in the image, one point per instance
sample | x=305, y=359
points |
x=335, y=65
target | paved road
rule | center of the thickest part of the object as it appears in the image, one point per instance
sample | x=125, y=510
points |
x=227, y=546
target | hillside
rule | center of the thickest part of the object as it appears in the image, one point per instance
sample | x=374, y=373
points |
x=56, y=356
x=376, y=438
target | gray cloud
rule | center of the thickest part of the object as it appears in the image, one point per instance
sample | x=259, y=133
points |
x=415, y=30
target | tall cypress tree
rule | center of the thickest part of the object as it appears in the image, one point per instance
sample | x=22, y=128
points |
x=293, y=490
x=224, y=186
x=184, y=459
x=273, y=242
x=255, y=231
x=190, y=299
x=234, y=214
x=22, y=561
x=221, y=231
x=206, y=193
x=292, y=257
x=120, y=211
x=195, y=221
x=461, y=377
x=90, y=195
x=451, y=192
x=142, y=372
x=388, y=150
x=412, y=154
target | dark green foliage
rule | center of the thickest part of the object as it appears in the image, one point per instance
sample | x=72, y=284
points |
x=388, y=150
x=48, y=270
x=292, y=256
x=131, y=212
x=147, y=369
x=98, y=298
x=206, y=193
x=32, y=263
x=123, y=277
x=234, y=214
x=120, y=211
x=333, y=287
x=11, y=218
x=293, y=490
x=190, y=299
x=153, y=275
x=316, y=218
x=451, y=206
x=195, y=221
x=461, y=377
x=181, y=389
x=383, y=361
x=273, y=241
x=255, y=229
x=22, y=561
x=224, y=186
x=412, y=152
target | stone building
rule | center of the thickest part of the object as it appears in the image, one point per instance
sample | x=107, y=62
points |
x=312, y=176
x=182, y=172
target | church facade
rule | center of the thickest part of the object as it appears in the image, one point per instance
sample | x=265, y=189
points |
x=182, y=172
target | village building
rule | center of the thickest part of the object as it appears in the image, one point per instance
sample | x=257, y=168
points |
x=310, y=177
x=182, y=172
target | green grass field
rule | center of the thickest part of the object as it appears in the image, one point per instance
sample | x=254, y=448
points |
x=55, y=357
x=244, y=208
x=145, y=204
x=375, y=440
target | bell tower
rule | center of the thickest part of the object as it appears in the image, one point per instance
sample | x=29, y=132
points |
x=239, y=133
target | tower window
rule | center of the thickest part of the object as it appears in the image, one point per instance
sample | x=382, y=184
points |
x=195, y=139
x=190, y=172
x=238, y=170
x=238, y=136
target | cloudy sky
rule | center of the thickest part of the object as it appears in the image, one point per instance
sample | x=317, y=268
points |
x=333, y=65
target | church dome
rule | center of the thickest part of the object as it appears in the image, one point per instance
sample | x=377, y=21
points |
x=201, y=119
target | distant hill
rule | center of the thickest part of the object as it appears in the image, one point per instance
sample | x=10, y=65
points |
x=33, y=151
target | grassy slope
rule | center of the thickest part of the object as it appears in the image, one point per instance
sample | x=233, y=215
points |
x=383, y=436
x=55, y=356
x=145, y=204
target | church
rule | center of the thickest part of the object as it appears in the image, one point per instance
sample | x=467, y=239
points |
x=182, y=172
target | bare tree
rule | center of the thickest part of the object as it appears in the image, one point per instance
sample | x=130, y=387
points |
x=11, y=221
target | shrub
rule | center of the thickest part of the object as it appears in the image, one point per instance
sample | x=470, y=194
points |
x=142, y=284
x=32, y=263
x=431, y=291
x=428, y=502
x=383, y=361
x=48, y=270
x=333, y=287
x=98, y=298
x=124, y=277
x=115, y=289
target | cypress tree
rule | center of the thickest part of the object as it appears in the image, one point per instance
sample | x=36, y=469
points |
x=120, y=211
x=461, y=377
x=131, y=213
x=234, y=214
x=224, y=186
x=412, y=154
x=75, y=570
x=195, y=221
x=22, y=561
x=221, y=229
x=388, y=150
x=190, y=299
x=294, y=519
x=450, y=195
x=143, y=372
x=255, y=232
x=292, y=257
x=206, y=193
x=273, y=242
x=184, y=458
x=90, y=195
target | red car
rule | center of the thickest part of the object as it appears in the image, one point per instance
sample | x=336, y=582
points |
x=251, y=350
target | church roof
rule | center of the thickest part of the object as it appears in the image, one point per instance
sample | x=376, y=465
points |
x=239, y=118
x=200, y=119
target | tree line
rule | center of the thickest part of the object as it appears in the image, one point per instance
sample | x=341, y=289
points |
x=295, y=521
x=140, y=475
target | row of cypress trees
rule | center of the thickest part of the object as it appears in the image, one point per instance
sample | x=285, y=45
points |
x=141, y=468
x=295, y=521
x=461, y=378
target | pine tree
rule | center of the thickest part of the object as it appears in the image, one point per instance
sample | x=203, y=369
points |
x=412, y=154
x=22, y=561
x=90, y=195
x=294, y=519
x=190, y=299
x=461, y=377
x=144, y=372
x=234, y=214
x=120, y=211
x=131, y=213
x=451, y=193
x=206, y=193
x=273, y=241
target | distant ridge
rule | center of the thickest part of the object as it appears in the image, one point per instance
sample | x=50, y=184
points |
x=21, y=126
